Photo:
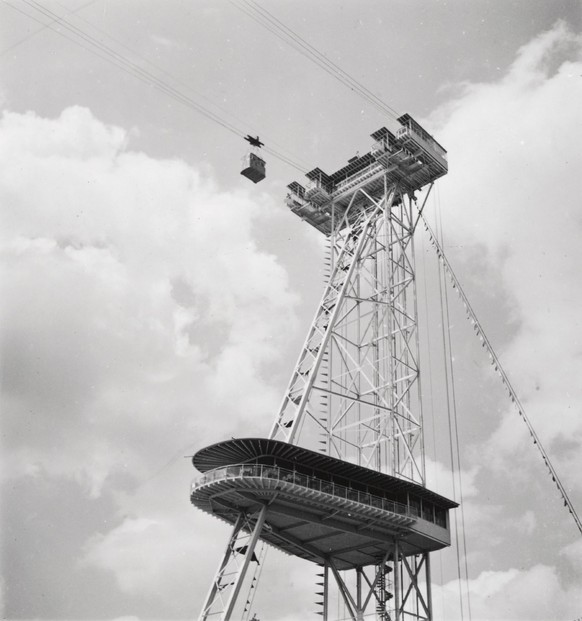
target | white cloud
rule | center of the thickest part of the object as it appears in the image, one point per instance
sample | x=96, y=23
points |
x=125, y=546
x=97, y=342
x=141, y=320
x=2, y=595
x=533, y=594
x=511, y=198
x=527, y=523
x=440, y=479
x=513, y=190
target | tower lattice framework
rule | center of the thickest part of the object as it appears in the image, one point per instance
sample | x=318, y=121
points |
x=354, y=398
x=355, y=391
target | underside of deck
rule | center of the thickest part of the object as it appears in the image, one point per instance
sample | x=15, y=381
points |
x=307, y=519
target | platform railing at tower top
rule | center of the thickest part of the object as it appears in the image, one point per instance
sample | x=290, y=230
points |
x=426, y=141
x=275, y=473
x=360, y=176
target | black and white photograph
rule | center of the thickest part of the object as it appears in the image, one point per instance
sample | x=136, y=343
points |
x=291, y=310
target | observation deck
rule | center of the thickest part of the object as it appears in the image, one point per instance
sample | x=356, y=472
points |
x=411, y=158
x=318, y=506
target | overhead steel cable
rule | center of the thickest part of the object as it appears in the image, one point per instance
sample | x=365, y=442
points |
x=157, y=68
x=449, y=383
x=262, y=15
x=504, y=378
x=107, y=53
x=266, y=19
x=359, y=87
x=127, y=65
x=430, y=385
x=455, y=417
x=38, y=30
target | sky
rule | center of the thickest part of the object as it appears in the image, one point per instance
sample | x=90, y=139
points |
x=154, y=301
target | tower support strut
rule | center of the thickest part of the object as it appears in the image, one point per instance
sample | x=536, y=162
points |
x=229, y=577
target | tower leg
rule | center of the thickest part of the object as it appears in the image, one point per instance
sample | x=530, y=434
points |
x=228, y=580
x=325, y=591
x=416, y=597
x=428, y=583
x=351, y=605
x=397, y=582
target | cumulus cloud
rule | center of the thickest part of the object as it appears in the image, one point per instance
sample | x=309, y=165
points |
x=113, y=263
x=510, y=205
x=439, y=479
x=140, y=318
x=534, y=594
x=573, y=554
x=512, y=192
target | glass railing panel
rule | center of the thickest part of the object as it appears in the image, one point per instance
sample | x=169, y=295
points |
x=270, y=473
x=301, y=479
x=327, y=487
x=376, y=502
x=313, y=483
x=380, y=145
x=315, y=185
x=356, y=177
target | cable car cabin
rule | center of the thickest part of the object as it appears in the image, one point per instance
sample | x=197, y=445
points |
x=253, y=167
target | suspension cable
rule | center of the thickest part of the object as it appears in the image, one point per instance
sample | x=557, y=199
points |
x=431, y=389
x=43, y=27
x=455, y=423
x=119, y=60
x=255, y=12
x=266, y=19
x=504, y=378
x=450, y=429
x=177, y=80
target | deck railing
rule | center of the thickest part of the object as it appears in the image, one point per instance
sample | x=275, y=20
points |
x=428, y=143
x=356, y=178
x=310, y=482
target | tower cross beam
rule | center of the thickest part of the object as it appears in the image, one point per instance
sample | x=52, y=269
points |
x=279, y=429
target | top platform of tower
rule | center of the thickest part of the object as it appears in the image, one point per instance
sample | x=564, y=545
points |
x=411, y=158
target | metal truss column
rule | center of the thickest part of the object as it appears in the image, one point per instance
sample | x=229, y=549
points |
x=365, y=329
x=325, y=591
x=351, y=605
x=232, y=569
x=299, y=391
x=397, y=582
x=413, y=599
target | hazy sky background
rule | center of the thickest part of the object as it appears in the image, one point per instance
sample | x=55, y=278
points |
x=154, y=301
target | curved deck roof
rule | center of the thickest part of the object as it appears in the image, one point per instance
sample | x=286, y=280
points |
x=237, y=451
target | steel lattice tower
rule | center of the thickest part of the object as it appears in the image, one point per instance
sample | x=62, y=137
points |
x=341, y=479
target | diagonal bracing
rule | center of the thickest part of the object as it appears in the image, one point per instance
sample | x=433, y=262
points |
x=354, y=388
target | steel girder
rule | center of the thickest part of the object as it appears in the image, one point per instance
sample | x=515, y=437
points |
x=354, y=394
x=228, y=580
x=354, y=391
